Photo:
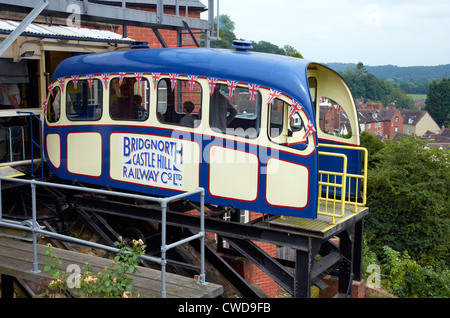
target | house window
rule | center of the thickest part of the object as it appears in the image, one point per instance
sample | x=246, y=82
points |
x=396, y=129
x=396, y=118
x=368, y=126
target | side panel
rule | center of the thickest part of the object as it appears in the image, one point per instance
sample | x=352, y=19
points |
x=295, y=178
x=233, y=174
x=53, y=144
x=154, y=161
x=84, y=153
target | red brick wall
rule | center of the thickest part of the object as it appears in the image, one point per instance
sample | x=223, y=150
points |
x=146, y=34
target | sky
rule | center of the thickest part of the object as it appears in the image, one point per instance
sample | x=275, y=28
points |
x=377, y=32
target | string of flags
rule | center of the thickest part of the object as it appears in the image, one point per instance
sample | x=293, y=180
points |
x=212, y=82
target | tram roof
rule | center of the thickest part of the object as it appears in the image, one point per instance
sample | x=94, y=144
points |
x=285, y=74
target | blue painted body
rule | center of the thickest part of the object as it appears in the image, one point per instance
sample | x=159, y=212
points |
x=288, y=75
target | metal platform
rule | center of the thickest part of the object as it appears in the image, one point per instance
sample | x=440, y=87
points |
x=321, y=227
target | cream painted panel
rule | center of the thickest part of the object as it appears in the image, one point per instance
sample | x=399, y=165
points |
x=84, y=153
x=155, y=161
x=53, y=144
x=289, y=185
x=233, y=174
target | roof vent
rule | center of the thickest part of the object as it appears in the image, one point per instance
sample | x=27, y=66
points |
x=139, y=45
x=242, y=45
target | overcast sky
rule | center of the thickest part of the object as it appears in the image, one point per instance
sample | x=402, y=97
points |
x=377, y=32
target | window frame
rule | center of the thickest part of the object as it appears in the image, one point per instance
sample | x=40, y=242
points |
x=97, y=83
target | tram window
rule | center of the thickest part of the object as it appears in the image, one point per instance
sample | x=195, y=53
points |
x=312, y=83
x=180, y=105
x=54, y=105
x=130, y=100
x=283, y=129
x=237, y=115
x=84, y=101
x=333, y=120
x=276, y=118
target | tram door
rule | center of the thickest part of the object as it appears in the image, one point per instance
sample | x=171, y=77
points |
x=336, y=122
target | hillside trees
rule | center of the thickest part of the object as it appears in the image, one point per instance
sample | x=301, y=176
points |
x=408, y=191
x=438, y=101
x=364, y=84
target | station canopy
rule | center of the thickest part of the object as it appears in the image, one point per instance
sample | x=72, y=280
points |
x=64, y=32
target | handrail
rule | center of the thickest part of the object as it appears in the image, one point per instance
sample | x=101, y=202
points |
x=328, y=184
x=363, y=176
x=37, y=230
x=35, y=143
x=345, y=186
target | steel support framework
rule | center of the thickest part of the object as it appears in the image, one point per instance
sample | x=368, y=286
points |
x=345, y=259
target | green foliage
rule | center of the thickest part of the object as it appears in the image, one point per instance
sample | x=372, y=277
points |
x=113, y=282
x=408, y=191
x=364, y=84
x=404, y=278
x=438, y=101
x=227, y=35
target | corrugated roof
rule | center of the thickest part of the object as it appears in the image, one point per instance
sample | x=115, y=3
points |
x=58, y=31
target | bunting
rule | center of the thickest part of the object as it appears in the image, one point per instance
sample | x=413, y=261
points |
x=173, y=80
x=138, y=79
x=75, y=81
x=252, y=89
x=90, y=79
x=212, y=84
x=272, y=95
x=121, y=76
x=295, y=107
x=232, y=87
x=61, y=83
x=309, y=130
x=155, y=78
x=44, y=105
x=105, y=77
x=191, y=82
x=50, y=89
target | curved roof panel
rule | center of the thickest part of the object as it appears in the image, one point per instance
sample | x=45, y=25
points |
x=285, y=74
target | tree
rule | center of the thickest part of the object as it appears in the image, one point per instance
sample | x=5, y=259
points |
x=438, y=101
x=226, y=32
x=408, y=191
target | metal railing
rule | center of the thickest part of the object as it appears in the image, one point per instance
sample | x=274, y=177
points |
x=36, y=230
x=335, y=188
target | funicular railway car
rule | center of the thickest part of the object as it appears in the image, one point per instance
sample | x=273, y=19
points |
x=245, y=126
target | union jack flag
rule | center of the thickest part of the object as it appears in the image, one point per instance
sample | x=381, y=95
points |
x=61, y=83
x=191, y=82
x=105, y=77
x=272, y=95
x=173, y=80
x=44, y=105
x=323, y=99
x=295, y=107
x=50, y=89
x=90, y=79
x=231, y=86
x=75, y=81
x=121, y=76
x=309, y=130
x=212, y=83
x=155, y=77
x=138, y=78
x=252, y=89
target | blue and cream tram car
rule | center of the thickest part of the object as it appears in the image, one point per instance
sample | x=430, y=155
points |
x=245, y=126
